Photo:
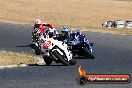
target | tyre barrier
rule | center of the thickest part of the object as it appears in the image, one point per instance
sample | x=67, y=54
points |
x=117, y=24
x=104, y=24
x=128, y=24
x=108, y=24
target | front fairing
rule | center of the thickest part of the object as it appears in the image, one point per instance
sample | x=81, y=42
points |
x=82, y=41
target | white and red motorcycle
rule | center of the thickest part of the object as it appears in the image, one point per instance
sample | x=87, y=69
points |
x=54, y=50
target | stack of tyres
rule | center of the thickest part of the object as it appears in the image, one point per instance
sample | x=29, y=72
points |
x=107, y=24
x=119, y=24
x=128, y=24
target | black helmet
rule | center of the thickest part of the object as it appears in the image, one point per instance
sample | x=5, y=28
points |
x=82, y=35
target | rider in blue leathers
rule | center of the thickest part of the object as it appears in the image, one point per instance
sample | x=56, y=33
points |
x=82, y=38
x=68, y=35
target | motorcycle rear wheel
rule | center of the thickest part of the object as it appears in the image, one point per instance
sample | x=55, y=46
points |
x=47, y=60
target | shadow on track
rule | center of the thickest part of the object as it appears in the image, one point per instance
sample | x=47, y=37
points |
x=82, y=58
x=24, y=45
x=45, y=65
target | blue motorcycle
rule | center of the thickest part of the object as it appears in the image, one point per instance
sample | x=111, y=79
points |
x=81, y=46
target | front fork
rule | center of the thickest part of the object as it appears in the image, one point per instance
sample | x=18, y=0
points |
x=90, y=46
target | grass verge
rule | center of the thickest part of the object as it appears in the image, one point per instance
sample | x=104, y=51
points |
x=9, y=58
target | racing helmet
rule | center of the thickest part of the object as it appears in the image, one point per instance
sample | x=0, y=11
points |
x=73, y=32
x=38, y=21
x=78, y=32
x=36, y=33
x=83, y=35
x=65, y=30
x=49, y=33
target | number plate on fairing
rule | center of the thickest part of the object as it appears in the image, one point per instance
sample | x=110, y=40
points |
x=47, y=44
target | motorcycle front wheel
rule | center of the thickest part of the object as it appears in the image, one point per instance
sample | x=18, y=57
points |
x=87, y=52
x=60, y=58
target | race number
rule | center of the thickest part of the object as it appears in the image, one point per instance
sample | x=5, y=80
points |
x=47, y=44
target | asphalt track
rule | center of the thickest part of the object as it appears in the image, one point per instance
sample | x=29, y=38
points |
x=113, y=56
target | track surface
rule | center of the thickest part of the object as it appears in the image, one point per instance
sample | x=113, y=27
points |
x=113, y=55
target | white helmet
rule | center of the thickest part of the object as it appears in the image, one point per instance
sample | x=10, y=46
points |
x=38, y=21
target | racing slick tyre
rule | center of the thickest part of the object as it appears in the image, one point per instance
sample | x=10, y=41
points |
x=47, y=60
x=83, y=80
x=37, y=52
x=89, y=53
x=32, y=46
x=60, y=58
x=72, y=62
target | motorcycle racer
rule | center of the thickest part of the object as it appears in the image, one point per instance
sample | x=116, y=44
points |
x=75, y=34
x=68, y=35
x=50, y=28
x=42, y=26
x=38, y=25
x=38, y=30
x=82, y=38
x=65, y=34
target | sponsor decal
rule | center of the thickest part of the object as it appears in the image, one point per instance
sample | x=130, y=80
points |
x=47, y=44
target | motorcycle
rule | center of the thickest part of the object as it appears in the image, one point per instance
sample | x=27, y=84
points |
x=38, y=38
x=82, y=47
x=54, y=50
